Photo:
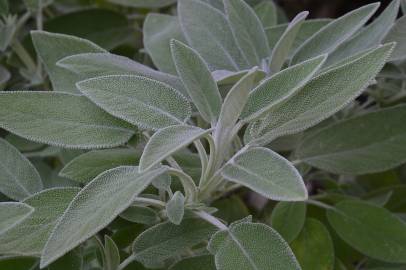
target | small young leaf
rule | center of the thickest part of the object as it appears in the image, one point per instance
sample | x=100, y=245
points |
x=397, y=34
x=247, y=30
x=266, y=12
x=111, y=254
x=370, y=229
x=347, y=147
x=12, y=213
x=203, y=262
x=167, y=141
x=94, y=207
x=61, y=119
x=53, y=47
x=28, y=237
x=138, y=100
x=18, y=177
x=267, y=173
x=332, y=35
x=175, y=208
x=198, y=81
x=313, y=247
x=288, y=219
x=140, y=214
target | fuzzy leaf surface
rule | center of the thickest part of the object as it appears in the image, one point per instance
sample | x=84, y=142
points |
x=12, y=213
x=288, y=219
x=175, y=208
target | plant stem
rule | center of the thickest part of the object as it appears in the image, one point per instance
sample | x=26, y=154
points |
x=203, y=158
x=320, y=204
x=187, y=182
x=211, y=219
x=150, y=201
x=211, y=163
x=126, y=262
x=24, y=55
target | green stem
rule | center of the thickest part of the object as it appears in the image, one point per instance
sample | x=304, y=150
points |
x=203, y=158
x=320, y=204
x=211, y=163
x=126, y=262
x=24, y=56
x=212, y=220
x=149, y=201
x=187, y=182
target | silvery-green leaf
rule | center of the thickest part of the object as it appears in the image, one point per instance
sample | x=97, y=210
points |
x=288, y=219
x=368, y=37
x=158, y=30
x=313, y=247
x=198, y=81
x=102, y=64
x=266, y=12
x=254, y=246
x=18, y=177
x=333, y=34
x=280, y=87
x=12, y=213
x=4, y=77
x=207, y=31
x=87, y=166
x=166, y=240
x=28, y=237
x=247, y=30
x=397, y=34
x=226, y=77
x=22, y=144
x=347, y=147
x=144, y=3
x=203, y=262
x=61, y=119
x=267, y=173
x=175, y=208
x=370, y=229
x=111, y=254
x=321, y=97
x=17, y=263
x=53, y=47
x=144, y=102
x=140, y=214
x=284, y=44
x=94, y=207
x=167, y=141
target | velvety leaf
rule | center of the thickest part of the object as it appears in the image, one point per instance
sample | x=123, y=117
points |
x=17, y=263
x=254, y=246
x=288, y=219
x=12, y=213
x=247, y=30
x=175, y=208
x=94, y=207
x=144, y=3
x=207, y=31
x=158, y=30
x=29, y=236
x=280, y=87
x=53, y=47
x=370, y=229
x=284, y=44
x=397, y=34
x=313, y=247
x=140, y=214
x=18, y=177
x=166, y=240
x=332, y=35
x=226, y=77
x=267, y=173
x=347, y=147
x=87, y=166
x=138, y=100
x=322, y=96
x=111, y=254
x=167, y=141
x=61, y=119
x=266, y=12
x=198, y=81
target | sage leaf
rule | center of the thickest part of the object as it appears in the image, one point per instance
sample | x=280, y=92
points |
x=225, y=77
x=313, y=247
x=94, y=207
x=87, y=166
x=266, y=12
x=198, y=81
x=397, y=34
x=111, y=254
x=167, y=141
x=267, y=173
x=247, y=30
x=52, y=47
x=28, y=237
x=140, y=214
x=347, y=147
x=144, y=102
x=203, y=262
x=158, y=30
x=18, y=177
x=207, y=31
x=166, y=240
x=175, y=208
x=244, y=245
x=322, y=96
x=333, y=34
x=288, y=218
x=284, y=44
x=370, y=229
x=61, y=119
x=144, y=3
x=280, y=87
x=11, y=213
